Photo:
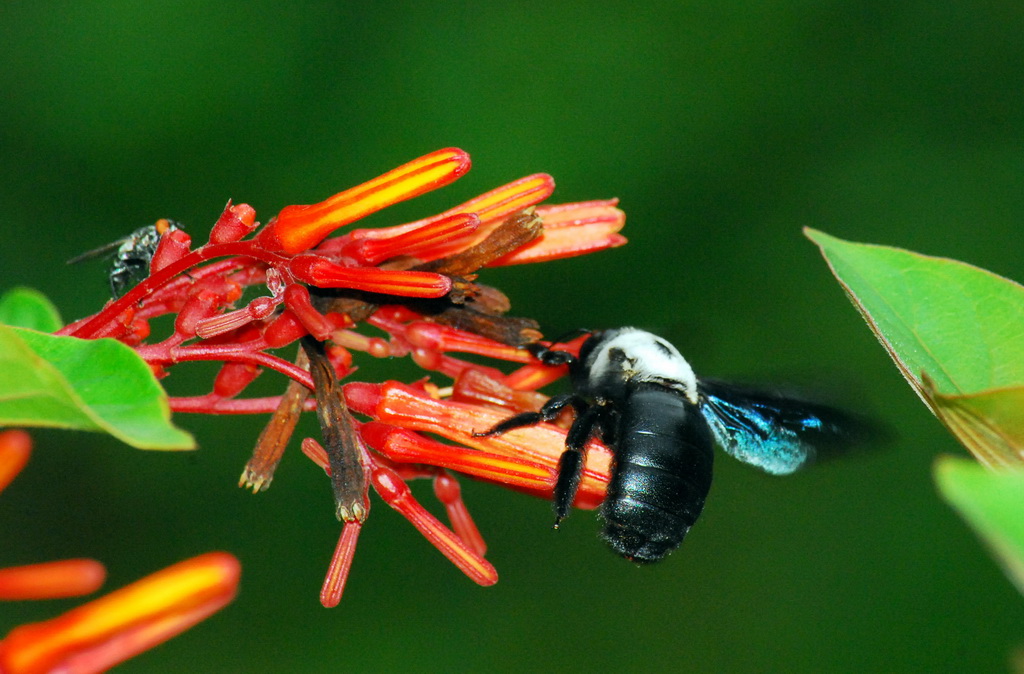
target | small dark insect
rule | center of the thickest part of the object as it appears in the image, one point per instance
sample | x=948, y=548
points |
x=642, y=397
x=131, y=255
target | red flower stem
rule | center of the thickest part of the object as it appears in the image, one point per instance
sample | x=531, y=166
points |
x=248, y=249
x=175, y=286
x=232, y=352
x=211, y=404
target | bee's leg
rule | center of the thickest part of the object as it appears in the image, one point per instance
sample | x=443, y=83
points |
x=548, y=412
x=551, y=357
x=570, y=464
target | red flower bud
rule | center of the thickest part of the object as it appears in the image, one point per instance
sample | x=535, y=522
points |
x=172, y=247
x=234, y=223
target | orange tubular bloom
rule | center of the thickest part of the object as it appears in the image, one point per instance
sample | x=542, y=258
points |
x=51, y=580
x=491, y=208
x=425, y=335
x=326, y=274
x=494, y=206
x=571, y=230
x=373, y=246
x=399, y=444
x=523, y=449
x=299, y=228
x=109, y=630
x=15, y=448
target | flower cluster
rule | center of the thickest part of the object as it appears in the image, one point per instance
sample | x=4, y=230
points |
x=417, y=284
x=113, y=628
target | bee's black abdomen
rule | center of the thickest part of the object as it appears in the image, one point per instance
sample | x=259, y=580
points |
x=662, y=474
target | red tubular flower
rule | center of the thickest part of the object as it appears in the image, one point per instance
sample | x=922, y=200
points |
x=415, y=283
x=396, y=493
x=423, y=241
x=464, y=549
x=435, y=338
x=405, y=446
x=513, y=458
x=341, y=564
x=326, y=274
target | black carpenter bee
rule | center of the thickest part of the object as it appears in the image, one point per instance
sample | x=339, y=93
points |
x=639, y=393
x=131, y=255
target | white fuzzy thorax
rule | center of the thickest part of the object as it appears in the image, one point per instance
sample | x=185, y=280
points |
x=648, y=358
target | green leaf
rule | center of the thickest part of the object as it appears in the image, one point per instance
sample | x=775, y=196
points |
x=990, y=423
x=29, y=308
x=92, y=385
x=992, y=503
x=955, y=331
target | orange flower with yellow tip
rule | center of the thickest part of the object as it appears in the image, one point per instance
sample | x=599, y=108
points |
x=113, y=628
x=298, y=228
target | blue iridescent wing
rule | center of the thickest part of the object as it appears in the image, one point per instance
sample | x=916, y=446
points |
x=772, y=432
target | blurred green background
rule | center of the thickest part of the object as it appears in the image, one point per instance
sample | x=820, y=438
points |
x=724, y=128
